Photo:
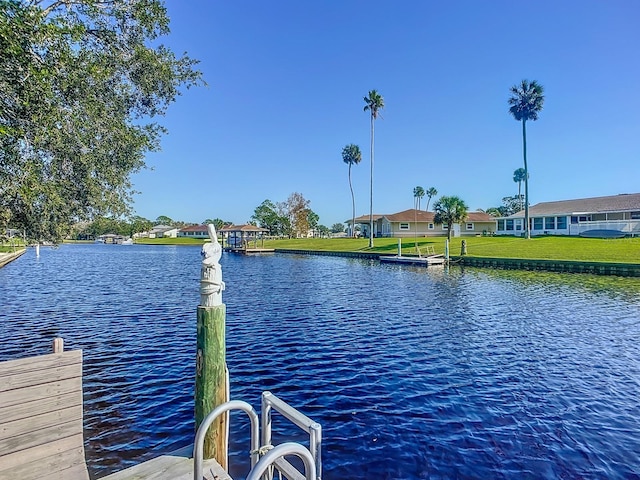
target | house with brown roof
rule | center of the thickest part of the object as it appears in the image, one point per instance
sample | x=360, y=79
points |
x=194, y=231
x=616, y=214
x=418, y=223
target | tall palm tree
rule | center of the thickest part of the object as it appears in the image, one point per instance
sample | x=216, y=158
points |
x=518, y=177
x=526, y=102
x=450, y=210
x=374, y=103
x=432, y=192
x=418, y=193
x=351, y=155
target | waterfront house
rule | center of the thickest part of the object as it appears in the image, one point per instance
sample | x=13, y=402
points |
x=194, y=231
x=160, y=231
x=418, y=223
x=616, y=214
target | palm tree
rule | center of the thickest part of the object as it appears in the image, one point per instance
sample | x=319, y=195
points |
x=518, y=177
x=432, y=192
x=450, y=210
x=374, y=103
x=351, y=155
x=526, y=102
x=418, y=193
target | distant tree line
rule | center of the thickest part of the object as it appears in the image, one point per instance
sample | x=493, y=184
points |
x=130, y=226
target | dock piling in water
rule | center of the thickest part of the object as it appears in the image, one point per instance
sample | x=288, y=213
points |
x=211, y=369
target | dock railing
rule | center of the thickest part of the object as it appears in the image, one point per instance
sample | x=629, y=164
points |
x=272, y=456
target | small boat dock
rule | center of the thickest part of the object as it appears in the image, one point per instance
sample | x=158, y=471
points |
x=244, y=239
x=431, y=258
x=425, y=261
x=246, y=250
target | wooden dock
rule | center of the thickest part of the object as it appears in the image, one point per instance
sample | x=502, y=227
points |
x=177, y=465
x=425, y=261
x=249, y=250
x=41, y=418
x=41, y=426
x=9, y=257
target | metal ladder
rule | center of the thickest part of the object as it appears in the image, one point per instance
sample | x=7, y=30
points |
x=272, y=457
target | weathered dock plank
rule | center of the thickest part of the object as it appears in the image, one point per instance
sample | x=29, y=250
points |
x=177, y=465
x=41, y=418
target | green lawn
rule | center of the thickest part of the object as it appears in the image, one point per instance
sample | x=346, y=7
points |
x=624, y=250
x=169, y=241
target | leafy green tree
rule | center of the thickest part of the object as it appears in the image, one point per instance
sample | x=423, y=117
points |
x=511, y=205
x=494, y=212
x=312, y=219
x=337, y=228
x=418, y=193
x=432, y=192
x=323, y=230
x=139, y=224
x=351, y=155
x=374, y=103
x=266, y=216
x=526, y=102
x=450, y=210
x=164, y=220
x=217, y=222
x=297, y=212
x=518, y=176
x=81, y=85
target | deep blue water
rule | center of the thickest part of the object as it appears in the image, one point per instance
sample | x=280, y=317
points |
x=413, y=373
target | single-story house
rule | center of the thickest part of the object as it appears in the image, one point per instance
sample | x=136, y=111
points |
x=194, y=231
x=615, y=213
x=418, y=223
x=160, y=231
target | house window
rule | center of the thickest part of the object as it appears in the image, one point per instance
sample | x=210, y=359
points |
x=537, y=223
x=561, y=223
x=635, y=215
x=549, y=223
x=469, y=226
x=431, y=226
x=518, y=223
x=404, y=226
x=509, y=224
x=445, y=226
x=500, y=224
x=584, y=218
x=574, y=220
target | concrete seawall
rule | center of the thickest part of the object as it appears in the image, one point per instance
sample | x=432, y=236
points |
x=10, y=256
x=566, y=266
x=369, y=255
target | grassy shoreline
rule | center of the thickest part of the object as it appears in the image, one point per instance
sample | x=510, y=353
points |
x=622, y=250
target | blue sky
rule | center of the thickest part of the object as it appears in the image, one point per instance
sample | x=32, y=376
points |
x=286, y=81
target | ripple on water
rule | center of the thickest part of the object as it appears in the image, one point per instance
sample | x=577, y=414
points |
x=412, y=373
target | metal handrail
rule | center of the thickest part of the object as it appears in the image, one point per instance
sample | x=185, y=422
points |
x=198, y=446
x=281, y=450
x=314, y=429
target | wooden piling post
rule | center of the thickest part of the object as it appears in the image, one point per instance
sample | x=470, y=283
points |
x=211, y=378
x=212, y=382
x=58, y=345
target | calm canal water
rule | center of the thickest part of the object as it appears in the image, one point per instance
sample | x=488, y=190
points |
x=413, y=373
